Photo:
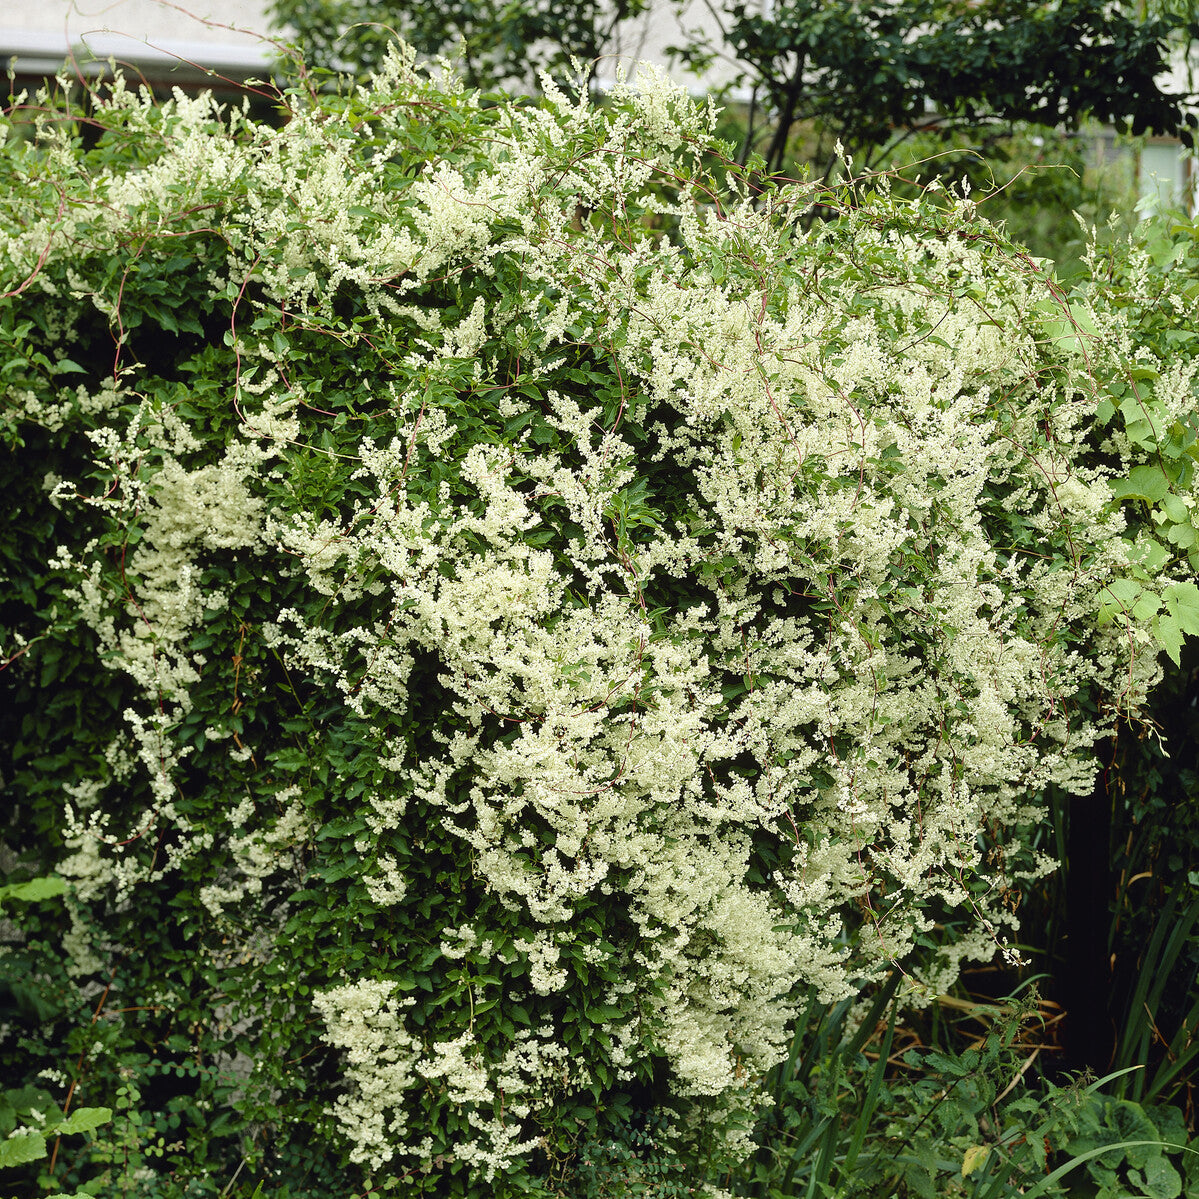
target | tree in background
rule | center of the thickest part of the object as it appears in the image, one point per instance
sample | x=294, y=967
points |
x=871, y=75
x=867, y=75
x=503, y=42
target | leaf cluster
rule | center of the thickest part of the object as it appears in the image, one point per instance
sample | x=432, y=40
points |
x=436, y=512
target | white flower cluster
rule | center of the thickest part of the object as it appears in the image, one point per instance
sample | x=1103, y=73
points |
x=897, y=685
x=365, y=1021
x=750, y=649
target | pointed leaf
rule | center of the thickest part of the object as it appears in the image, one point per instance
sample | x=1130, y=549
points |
x=1182, y=535
x=33, y=889
x=1146, y=606
x=1162, y=1181
x=84, y=1119
x=973, y=1159
x=1169, y=637
x=1117, y=598
x=21, y=1148
x=1182, y=602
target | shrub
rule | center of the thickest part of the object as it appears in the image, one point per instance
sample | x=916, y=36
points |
x=496, y=626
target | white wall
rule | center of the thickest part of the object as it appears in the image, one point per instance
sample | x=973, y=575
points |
x=212, y=32
x=646, y=39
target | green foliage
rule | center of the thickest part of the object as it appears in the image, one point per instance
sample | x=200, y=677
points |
x=1154, y=938
x=867, y=76
x=499, y=628
x=826, y=1100
x=1148, y=1151
x=496, y=44
x=31, y=890
x=630, y=1163
x=854, y=1116
x=1166, y=963
x=1051, y=191
x=1149, y=282
x=28, y=1145
x=30, y=1119
x=870, y=75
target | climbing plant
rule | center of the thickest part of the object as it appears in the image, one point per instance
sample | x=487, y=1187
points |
x=496, y=623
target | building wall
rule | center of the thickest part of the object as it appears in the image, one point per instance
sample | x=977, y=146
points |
x=149, y=35
x=647, y=39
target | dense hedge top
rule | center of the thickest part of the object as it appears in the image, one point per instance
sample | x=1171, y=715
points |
x=532, y=617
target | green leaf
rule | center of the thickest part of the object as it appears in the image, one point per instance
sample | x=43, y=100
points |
x=84, y=1119
x=33, y=890
x=1117, y=597
x=1182, y=602
x=1182, y=535
x=1162, y=1181
x=1143, y=483
x=22, y=1148
x=1143, y=433
x=1146, y=606
x=1175, y=509
x=1169, y=637
x=1149, y=554
x=1071, y=328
